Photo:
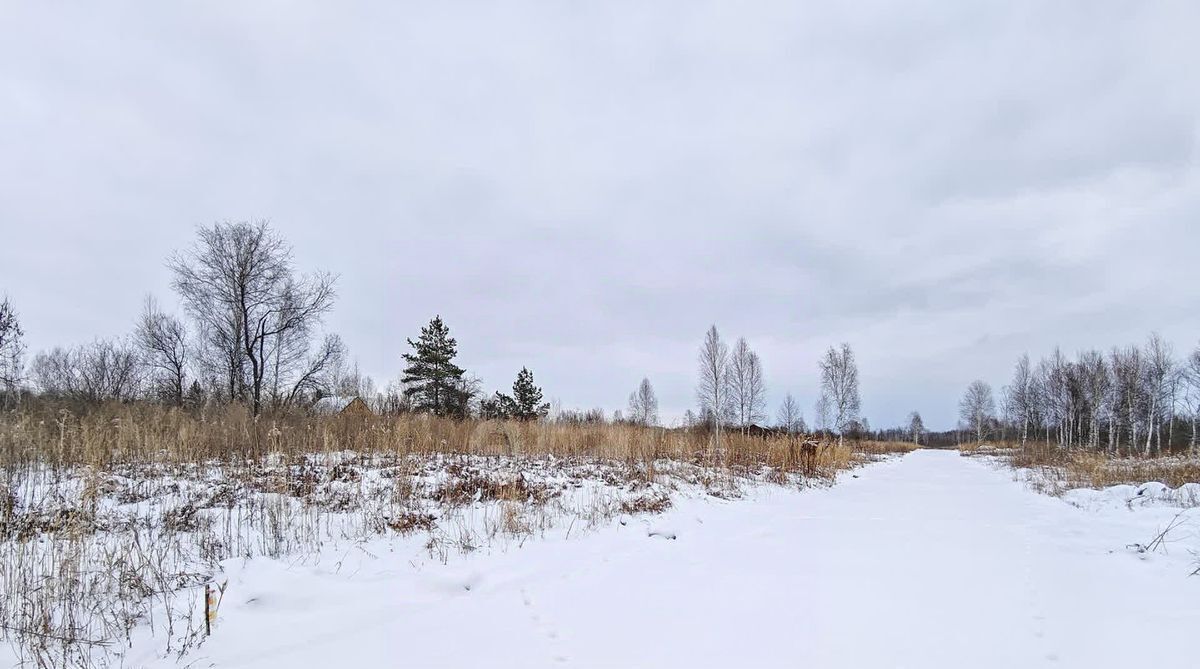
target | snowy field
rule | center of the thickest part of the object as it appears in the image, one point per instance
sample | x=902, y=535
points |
x=930, y=560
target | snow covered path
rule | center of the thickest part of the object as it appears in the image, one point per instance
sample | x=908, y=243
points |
x=932, y=560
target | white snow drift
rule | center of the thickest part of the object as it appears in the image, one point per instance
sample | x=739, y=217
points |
x=932, y=560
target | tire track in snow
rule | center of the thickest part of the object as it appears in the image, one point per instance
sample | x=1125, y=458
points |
x=1037, y=613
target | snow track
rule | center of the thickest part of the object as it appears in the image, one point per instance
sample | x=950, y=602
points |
x=932, y=560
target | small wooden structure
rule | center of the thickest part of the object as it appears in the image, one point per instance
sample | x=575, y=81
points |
x=357, y=407
x=344, y=406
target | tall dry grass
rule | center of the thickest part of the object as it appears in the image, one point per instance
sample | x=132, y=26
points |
x=117, y=517
x=119, y=435
x=1076, y=468
x=1099, y=470
x=872, y=447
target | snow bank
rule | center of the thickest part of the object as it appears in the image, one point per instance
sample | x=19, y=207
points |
x=1128, y=496
x=931, y=561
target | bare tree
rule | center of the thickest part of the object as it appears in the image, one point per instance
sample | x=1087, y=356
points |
x=916, y=427
x=756, y=391
x=1059, y=394
x=315, y=377
x=643, y=404
x=53, y=372
x=255, y=312
x=747, y=387
x=12, y=351
x=977, y=407
x=351, y=382
x=1096, y=395
x=1191, y=377
x=1159, y=370
x=1022, y=398
x=1129, y=394
x=739, y=364
x=790, y=417
x=99, y=371
x=839, y=404
x=712, y=390
x=1128, y=399
x=164, y=346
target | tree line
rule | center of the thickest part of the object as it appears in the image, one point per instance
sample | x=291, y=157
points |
x=252, y=332
x=731, y=393
x=1130, y=399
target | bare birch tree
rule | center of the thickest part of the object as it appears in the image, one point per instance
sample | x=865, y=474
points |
x=1128, y=393
x=840, y=404
x=712, y=390
x=1095, y=386
x=790, y=417
x=739, y=381
x=756, y=391
x=747, y=387
x=1191, y=376
x=643, y=404
x=1159, y=369
x=1022, y=397
x=916, y=427
x=977, y=407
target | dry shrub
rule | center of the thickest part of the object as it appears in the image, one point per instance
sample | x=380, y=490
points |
x=512, y=521
x=72, y=522
x=1092, y=469
x=408, y=522
x=471, y=485
x=181, y=519
x=646, y=504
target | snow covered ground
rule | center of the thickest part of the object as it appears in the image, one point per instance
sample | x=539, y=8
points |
x=930, y=560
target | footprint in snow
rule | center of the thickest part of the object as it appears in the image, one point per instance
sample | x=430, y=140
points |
x=550, y=632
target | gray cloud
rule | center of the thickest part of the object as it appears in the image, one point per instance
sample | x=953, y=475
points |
x=583, y=189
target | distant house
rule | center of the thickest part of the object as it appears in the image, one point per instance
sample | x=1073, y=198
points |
x=345, y=405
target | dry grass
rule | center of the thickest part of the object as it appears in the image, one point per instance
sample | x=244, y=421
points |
x=117, y=517
x=122, y=434
x=1090, y=469
x=1093, y=470
x=885, y=447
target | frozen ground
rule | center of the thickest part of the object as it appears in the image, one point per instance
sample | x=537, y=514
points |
x=932, y=560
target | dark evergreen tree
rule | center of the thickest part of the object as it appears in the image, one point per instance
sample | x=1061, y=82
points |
x=195, y=397
x=498, y=406
x=524, y=404
x=432, y=382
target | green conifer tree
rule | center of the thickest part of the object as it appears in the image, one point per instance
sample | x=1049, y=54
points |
x=527, y=398
x=432, y=382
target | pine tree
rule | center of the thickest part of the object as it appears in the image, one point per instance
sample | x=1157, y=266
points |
x=195, y=397
x=524, y=404
x=528, y=397
x=432, y=381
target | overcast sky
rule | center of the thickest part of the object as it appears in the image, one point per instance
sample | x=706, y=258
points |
x=584, y=187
